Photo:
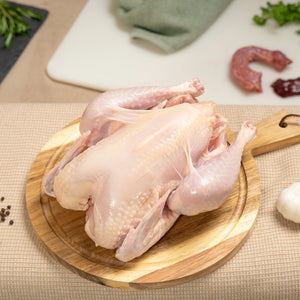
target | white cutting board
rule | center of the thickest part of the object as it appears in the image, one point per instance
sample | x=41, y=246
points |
x=98, y=53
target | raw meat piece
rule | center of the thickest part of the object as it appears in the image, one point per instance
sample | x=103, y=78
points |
x=246, y=77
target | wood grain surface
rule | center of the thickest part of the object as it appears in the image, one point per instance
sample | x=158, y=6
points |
x=193, y=247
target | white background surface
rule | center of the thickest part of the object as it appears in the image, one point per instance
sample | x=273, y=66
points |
x=98, y=53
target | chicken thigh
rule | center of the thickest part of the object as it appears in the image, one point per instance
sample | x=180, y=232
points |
x=153, y=154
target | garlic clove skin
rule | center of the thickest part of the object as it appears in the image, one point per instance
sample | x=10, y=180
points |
x=288, y=203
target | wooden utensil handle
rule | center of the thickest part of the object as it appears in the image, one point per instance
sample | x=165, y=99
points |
x=270, y=136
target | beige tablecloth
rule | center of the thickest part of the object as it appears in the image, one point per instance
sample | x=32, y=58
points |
x=266, y=267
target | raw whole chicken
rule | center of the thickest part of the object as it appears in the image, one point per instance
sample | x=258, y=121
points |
x=145, y=156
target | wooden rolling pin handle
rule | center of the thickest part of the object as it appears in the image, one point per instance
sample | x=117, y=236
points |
x=273, y=135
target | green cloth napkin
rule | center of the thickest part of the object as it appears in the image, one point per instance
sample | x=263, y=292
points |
x=170, y=24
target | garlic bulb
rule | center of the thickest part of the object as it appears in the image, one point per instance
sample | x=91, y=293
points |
x=288, y=203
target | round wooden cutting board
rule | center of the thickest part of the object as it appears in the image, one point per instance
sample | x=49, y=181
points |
x=193, y=247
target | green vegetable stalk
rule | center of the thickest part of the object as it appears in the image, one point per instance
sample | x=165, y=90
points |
x=12, y=22
x=281, y=13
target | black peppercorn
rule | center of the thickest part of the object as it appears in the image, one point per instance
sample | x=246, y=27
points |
x=5, y=212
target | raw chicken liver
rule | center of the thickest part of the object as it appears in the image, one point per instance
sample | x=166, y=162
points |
x=153, y=154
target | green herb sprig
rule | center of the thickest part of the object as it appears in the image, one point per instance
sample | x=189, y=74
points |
x=12, y=22
x=281, y=13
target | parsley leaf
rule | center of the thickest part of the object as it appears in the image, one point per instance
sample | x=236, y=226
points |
x=280, y=12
